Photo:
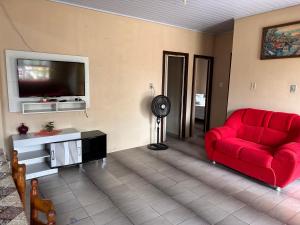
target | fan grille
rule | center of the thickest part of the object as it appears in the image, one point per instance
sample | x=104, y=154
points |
x=161, y=106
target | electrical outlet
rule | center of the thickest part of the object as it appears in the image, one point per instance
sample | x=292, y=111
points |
x=151, y=85
x=293, y=88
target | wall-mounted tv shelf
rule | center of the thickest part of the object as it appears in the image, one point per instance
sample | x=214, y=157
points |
x=16, y=101
x=50, y=107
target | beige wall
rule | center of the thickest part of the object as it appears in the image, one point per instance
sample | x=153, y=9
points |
x=222, y=55
x=272, y=77
x=125, y=55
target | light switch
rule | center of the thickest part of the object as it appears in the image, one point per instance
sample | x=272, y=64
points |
x=252, y=86
x=293, y=88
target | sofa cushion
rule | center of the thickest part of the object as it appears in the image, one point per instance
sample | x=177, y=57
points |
x=250, y=133
x=261, y=157
x=281, y=121
x=233, y=146
x=277, y=128
x=254, y=117
x=273, y=138
x=253, y=122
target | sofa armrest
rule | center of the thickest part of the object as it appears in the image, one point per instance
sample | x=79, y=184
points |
x=216, y=134
x=286, y=162
x=290, y=151
x=224, y=132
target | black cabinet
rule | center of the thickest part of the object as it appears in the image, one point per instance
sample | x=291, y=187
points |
x=93, y=145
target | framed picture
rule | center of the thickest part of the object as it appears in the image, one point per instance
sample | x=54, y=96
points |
x=281, y=41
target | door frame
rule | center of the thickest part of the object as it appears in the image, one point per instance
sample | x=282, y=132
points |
x=208, y=94
x=184, y=92
x=228, y=84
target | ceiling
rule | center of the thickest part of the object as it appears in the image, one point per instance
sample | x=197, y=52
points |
x=201, y=15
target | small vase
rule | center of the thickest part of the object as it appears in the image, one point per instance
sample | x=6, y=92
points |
x=22, y=129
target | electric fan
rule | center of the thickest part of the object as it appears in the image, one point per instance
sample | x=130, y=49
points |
x=160, y=107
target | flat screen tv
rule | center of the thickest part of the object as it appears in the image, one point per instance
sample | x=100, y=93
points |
x=45, y=78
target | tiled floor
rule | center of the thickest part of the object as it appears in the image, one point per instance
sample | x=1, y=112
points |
x=198, y=134
x=176, y=186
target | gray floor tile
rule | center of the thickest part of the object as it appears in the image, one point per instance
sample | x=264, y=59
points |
x=98, y=206
x=47, y=179
x=53, y=185
x=246, y=197
x=195, y=221
x=213, y=215
x=189, y=184
x=176, y=186
x=247, y=214
x=185, y=197
x=120, y=221
x=132, y=206
x=60, y=198
x=202, y=190
x=165, y=183
x=266, y=220
x=200, y=205
x=178, y=215
x=71, y=217
x=68, y=206
x=106, y=216
x=283, y=213
x=295, y=220
x=86, y=198
x=158, y=221
x=231, y=205
x=216, y=197
x=143, y=215
x=231, y=220
x=85, y=221
x=50, y=192
x=164, y=205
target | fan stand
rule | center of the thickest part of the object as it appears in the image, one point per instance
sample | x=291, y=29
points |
x=158, y=146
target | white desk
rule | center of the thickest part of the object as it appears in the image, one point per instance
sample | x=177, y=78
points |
x=32, y=152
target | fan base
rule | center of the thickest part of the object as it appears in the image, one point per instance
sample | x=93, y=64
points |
x=158, y=147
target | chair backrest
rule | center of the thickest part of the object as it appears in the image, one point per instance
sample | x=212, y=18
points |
x=18, y=174
x=262, y=126
x=40, y=205
x=14, y=164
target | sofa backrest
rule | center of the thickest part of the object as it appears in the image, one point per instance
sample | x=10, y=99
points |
x=262, y=126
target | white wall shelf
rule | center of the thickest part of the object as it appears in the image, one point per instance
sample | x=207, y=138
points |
x=50, y=107
x=15, y=101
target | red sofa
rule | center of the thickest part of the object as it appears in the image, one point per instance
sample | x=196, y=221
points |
x=261, y=144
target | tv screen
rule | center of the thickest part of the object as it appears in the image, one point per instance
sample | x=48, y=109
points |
x=44, y=78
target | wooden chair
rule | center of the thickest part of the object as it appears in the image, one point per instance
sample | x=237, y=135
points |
x=40, y=205
x=18, y=174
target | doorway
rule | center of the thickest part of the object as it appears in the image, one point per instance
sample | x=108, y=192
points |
x=174, y=85
x=201, y=95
